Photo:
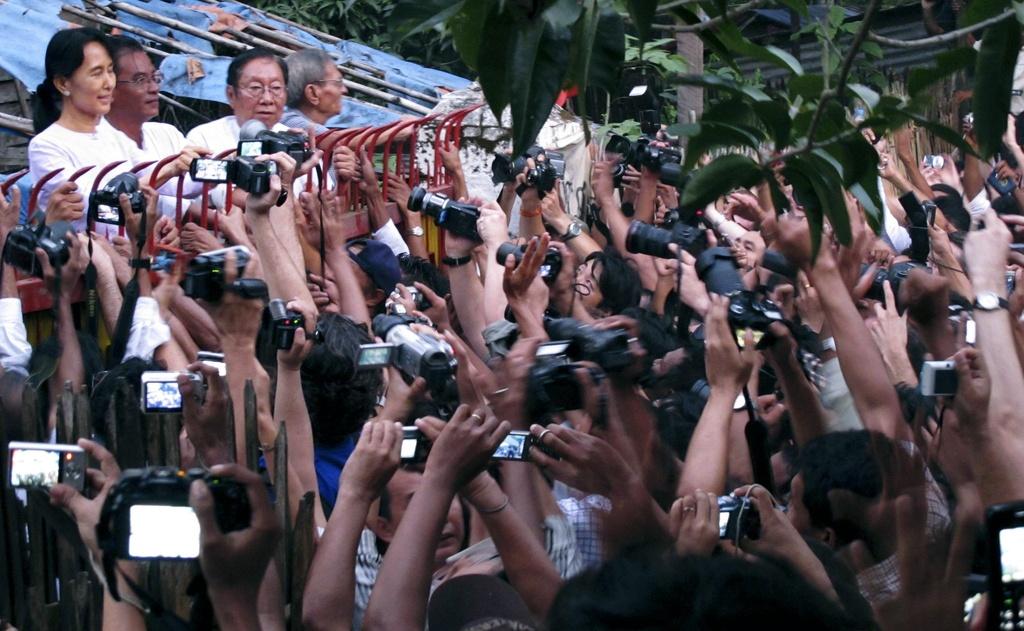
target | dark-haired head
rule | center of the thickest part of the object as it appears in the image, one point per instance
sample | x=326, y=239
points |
x=137, y=95
x=652, y=589
x=607, y=284
x=339, y=398
x=79, y=70
x=253, y=70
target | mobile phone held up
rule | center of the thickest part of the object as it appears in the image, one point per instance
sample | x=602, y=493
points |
x=41, y=465
x=1004, y=525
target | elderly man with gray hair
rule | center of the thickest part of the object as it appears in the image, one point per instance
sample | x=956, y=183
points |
x=315, y=90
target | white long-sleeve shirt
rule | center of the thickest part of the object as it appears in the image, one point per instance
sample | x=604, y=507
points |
x=15, y=351
x=148, y=330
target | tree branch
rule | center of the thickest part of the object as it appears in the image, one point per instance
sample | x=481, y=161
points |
x=939, y=39
x=728, y=16
x=844, y=69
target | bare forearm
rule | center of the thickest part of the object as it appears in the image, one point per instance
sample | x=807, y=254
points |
x=70, y=367
x=9, y=283
x=399, y=599
x=617, y=223
x=200, y=325
x=995, y=337
x=351, y=300
x=329, y=599
x=181, y=336
x=708, y=453
x=109, y=295
x=495, y=300
x=285, y=278
x=291, y=407
x=242, y=366
x=646, y=196
x=376, y=210
x=859, y=358
x=417, y=245
x=282, y=218
x=527, y=564
x=467, y=295
x=806, y=413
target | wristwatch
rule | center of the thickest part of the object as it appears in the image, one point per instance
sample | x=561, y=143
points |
x=574, y=230
x=416, y=231
x=990, y=301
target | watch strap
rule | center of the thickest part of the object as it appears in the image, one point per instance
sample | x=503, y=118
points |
x=457, y=261
x=1001, y=303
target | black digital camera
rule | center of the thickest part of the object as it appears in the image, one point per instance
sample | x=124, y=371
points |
x=105, y=203
x=147, y=513
x=455, y=217
x=414, y=354
x=552, y=385
x=21, y=244
x=282, y=323
x=549, y=269
x=716, y=268
x=737, y=519
x=204, y=277
x=267, y=142
x=642, y=238
x=896, y=274
x=640, y=153
x=244, y=172
x=549, y=166
x=609, y=349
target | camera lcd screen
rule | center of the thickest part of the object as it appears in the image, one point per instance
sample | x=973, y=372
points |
x=34, y=467
x=163, y=395
x=723, y=522
x=409, y=448
x=250, y=148
x=373, y=356
x=211, y=170
x=108, y=214
x=1011, y=554
x=512, y=448
x=552, y=349
x=163, y=531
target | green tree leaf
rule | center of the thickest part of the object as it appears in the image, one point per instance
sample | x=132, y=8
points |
x=713, y=135
x=731, y=36
x=467, y=30
x=538, y=62
x=413, y=16
x=715, y=82
x=978, y=10
x=720, y=177
x=598, y=48
x=993, y=84
x=827, y=179
x=865, y=94
x=774, y=115
x=707, y=36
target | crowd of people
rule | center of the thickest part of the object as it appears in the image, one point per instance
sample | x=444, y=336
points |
x=748, y=429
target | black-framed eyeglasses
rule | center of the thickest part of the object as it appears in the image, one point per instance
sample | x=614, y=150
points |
x=140, y=79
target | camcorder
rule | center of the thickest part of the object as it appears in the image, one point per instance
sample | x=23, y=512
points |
x=455, y=217
x=105, y=203
x=41, y=465
x=281, y=323
x=147, y=514
x=266, y=142
x=737, y=519
x=20, y=246
x=549, y=269
x=552, y=384
x=609, y=349
x=414, y=354
x=159, y=391
x=243, y=172
x=642, y=238
x=516, y=446
x=204, y=277
x=716, y=268
x=549, y=166
x=643, y=153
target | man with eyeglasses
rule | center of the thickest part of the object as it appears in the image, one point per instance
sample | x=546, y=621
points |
x=137, y=101
x=316, y=90
x=256, y=90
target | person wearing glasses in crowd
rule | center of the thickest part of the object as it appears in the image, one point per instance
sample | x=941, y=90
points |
x=137, y=102
x=256, y=90
x=69, y=115
x=316, y=90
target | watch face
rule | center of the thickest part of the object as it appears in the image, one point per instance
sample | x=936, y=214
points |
x=988, y=301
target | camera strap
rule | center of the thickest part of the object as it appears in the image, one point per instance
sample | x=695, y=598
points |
x=149, y=604
x=119, y=336
x=323, y=246
x=91, y=295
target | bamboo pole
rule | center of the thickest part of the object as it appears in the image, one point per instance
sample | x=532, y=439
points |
x=182, y=106
x=135, y=30
x=16, y=123
x=262, y=43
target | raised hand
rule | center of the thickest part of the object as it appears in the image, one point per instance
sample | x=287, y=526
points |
x=204, y=414
x=465, y=446
x=374, y=461
x=66, y=203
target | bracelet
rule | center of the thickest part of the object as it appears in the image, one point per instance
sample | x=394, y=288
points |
x=491, y=511
x=265, y=449
x=530, y=215
x=457, y=261
x=140, y=263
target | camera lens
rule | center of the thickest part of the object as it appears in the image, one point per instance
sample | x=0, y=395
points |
x=416, y=198
x=645, y=239
x=509, y=248
x=718, y=271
